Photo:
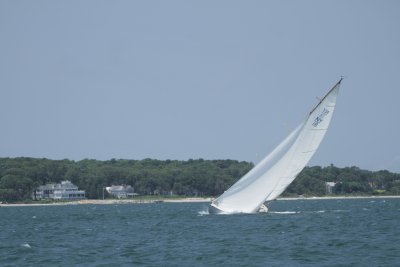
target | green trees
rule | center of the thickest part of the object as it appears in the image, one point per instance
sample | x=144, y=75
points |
x=14, y=187
x=193, y=177
x=349, y=180
x=19, y=177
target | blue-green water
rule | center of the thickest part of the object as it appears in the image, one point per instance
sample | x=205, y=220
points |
x=294, y=233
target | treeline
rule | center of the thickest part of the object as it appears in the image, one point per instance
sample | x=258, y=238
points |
x=348, y=181
x=20, y=176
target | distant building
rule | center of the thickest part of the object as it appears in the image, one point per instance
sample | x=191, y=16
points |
x=329, y=187
x=63, y=191
x=121, y=191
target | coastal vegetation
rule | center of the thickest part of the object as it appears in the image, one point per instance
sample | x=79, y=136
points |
x=20, y=176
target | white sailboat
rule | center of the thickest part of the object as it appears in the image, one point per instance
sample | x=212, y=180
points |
x=269, y=178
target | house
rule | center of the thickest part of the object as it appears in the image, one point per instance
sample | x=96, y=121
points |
x=329, y=187
x=121, y=191
x=63, y=191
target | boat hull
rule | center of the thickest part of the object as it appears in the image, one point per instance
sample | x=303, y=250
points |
x=214, y=210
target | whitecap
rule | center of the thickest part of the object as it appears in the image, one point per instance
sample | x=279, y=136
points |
x=26, y=245
x=33, y=217
x=340, y=211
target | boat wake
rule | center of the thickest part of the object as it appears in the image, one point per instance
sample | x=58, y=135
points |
x=284, y=212
x=306, y=212
x=203, y=212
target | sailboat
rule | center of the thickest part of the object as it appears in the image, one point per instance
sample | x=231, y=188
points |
x=271, y=176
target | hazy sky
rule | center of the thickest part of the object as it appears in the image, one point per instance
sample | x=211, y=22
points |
x=197, y=79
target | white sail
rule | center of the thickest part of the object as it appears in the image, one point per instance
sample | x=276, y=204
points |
x=269, y=178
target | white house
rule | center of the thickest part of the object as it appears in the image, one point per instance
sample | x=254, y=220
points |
x=63, y=191
x=121, y=191
x=329, y=187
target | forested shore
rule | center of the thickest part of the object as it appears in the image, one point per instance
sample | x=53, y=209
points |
x=194, y=177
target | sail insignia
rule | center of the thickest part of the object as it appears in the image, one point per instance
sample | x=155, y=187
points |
x=320, y=118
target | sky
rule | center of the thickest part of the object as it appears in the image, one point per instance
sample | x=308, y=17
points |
x=198, y=79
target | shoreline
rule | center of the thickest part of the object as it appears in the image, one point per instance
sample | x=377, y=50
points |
x=110, y=202
x=173, y=200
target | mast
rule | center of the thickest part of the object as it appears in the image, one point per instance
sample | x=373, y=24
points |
x=338, y=83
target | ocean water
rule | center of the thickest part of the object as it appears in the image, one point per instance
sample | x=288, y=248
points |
x=351, y=232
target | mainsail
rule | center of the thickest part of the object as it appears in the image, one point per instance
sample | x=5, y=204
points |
x=269, y=178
